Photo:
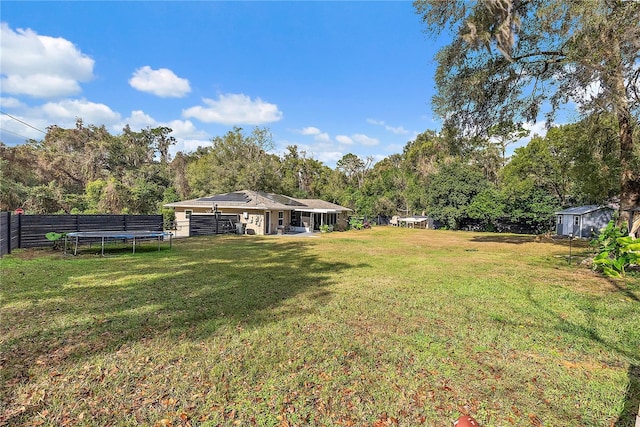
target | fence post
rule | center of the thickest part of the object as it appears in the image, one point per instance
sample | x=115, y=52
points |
x=9, y=239
x=19, y=231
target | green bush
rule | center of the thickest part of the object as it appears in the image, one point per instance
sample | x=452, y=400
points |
x=616, y=251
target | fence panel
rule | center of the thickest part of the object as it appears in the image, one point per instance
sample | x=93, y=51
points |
x=34, y=228
x=29, y=231
x=5, y=233
x=207, y=225
x=143, y=222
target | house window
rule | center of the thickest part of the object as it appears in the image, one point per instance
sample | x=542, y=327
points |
x=559, y=219
x=187, y=213
x=576, y=220
x=280, y=218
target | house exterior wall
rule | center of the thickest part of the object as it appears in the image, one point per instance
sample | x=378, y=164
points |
x=254, y=220
x=593, y=222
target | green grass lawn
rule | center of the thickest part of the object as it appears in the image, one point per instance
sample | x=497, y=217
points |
x=376, y=327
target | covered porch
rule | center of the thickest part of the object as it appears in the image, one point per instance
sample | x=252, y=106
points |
x=310, y=220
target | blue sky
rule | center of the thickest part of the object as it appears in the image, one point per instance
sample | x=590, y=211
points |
x=331, y=77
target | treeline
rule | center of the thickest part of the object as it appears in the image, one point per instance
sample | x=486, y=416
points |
x=457, y=181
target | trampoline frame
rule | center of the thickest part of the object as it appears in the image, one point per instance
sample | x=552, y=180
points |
x=104, y=236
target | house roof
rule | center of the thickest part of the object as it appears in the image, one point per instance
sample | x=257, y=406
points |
x=581, y=210
x=318, y=205
x=255, y=200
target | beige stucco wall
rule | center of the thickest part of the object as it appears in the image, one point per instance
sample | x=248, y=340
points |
x=254, y=220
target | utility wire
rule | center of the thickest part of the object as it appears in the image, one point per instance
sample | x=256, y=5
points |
x=13, y=133
x=24, y=123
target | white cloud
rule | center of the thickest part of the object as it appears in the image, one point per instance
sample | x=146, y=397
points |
x=535, y=128
x=162, y=82
x=322, y=137
x=41, y=66
x=399, y=130
x=343, y=139
x=136, y=121
x=234, y=109
x=310, y=131
x=365, y=140
x=65, y=112
x=318, y=135
x=188, y=145
x=16, y=131
x=329, y=157
x=8, y=102
x=62, y=114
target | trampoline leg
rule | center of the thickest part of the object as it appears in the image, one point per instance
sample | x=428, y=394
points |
x=75, y=250
x=134, y=245
x=103, y=246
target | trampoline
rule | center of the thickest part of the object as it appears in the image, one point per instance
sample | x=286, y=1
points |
x=105, y=236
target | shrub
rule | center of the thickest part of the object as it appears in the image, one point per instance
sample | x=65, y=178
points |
x=616, y=251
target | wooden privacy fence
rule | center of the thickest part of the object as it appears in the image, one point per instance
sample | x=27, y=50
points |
x=28, y=231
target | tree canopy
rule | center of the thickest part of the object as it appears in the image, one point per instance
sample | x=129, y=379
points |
x=510, y=61
x=458, y=180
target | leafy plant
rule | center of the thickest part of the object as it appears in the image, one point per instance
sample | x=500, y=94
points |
x=324, y=228
x=356, y=223
x=56, y=238
x=616, y=251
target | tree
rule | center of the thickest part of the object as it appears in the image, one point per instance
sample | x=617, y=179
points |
x=510, y=58
x=354, y=168
x=505, y=134
x=452, y=190
x=236, y=162
x=543, y=163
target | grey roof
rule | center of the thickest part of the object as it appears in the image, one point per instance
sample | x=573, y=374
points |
x=247, y=199
x=581, y=210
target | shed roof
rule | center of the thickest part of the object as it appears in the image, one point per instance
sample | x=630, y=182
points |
x=582, y=210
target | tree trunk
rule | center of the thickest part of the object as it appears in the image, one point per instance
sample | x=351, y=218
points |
x=630, y=178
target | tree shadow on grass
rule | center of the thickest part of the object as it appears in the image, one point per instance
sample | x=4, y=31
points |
x=553, y=322
x=632, y=400
x=75, y=308
x=589, y=332
x=624, y=289
x=518, y=239
x=504, y=238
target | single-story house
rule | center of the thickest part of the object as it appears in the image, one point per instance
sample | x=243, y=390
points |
x=265, y=213
x=583, y=221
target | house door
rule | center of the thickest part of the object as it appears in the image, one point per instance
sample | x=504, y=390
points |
x=267, y=222
x=576, y=226
x=559, y=230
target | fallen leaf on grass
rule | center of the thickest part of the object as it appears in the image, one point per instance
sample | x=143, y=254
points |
x=535, y=421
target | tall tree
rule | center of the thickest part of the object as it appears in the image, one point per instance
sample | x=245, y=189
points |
x=505, y=134
x=510, y=58
x=354, y=168
x=236, y=162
